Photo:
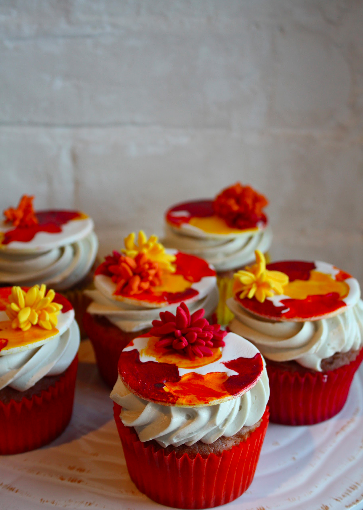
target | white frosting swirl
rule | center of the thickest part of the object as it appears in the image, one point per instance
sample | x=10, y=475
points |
x=223, y=253
x=60, y=268
x=308, y=343
x=133, y=318
x=170, y=425
x=22, y=370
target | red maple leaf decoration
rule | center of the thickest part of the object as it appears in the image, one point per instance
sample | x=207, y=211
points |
x=188, y=334
x=240, y=206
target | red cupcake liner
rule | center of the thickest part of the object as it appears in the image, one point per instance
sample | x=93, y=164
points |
x=35, y=422
x=306, y=398
x=182, y=482
x=108, y=342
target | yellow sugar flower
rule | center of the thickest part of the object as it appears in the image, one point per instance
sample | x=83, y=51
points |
x=151, y=248
x=257, y=281
x=27, y=309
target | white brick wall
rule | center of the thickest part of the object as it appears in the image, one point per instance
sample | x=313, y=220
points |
x=122, y=108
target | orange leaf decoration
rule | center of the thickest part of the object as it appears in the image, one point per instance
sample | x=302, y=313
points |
x=134, y=276
x=23, y=215
x=240, y=206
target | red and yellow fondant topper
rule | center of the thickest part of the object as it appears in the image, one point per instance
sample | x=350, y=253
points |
x=236, y=210
x=30, y=317
x=22, y=224
x=147, y=274
x=295, y=290
x=158, y=372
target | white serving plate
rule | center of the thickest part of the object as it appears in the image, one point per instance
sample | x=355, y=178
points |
x=301, y=468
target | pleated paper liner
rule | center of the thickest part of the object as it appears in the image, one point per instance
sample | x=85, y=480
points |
x=306, y=398
x=108, y=341
x=182, y=482
x=32, y=423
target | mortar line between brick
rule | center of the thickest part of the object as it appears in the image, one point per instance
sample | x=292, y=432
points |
x=335, y=135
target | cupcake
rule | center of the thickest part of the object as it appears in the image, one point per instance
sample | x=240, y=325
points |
x=190, y=409
x=225, y=232
x=133, y=286
x=38, y=367
x=54, y=247
x=306, y=318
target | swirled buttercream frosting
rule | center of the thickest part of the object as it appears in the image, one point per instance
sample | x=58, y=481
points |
x=175, y=426
x=133, y=318
x=307, y=343
x=224, y=254
x=55, y=247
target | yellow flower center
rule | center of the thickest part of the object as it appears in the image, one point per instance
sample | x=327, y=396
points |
x=153, y=250
x=257, y=281
x=27, y=309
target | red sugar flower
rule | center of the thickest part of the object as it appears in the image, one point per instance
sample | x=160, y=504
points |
x=132, y=276
x=111, y=260
x=241, y=206
x=188, y=334
x=23, y=215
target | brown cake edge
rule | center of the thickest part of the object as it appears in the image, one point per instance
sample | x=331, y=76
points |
x=338, y=360
x=204, y=450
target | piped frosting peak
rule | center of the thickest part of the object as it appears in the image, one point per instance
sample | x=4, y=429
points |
x=257, y=281
x=32, y=307
x=191, y=335
x=23, y=215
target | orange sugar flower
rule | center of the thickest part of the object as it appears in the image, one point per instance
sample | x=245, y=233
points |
x=23, y=215
x=135, y=275
x=240, y=206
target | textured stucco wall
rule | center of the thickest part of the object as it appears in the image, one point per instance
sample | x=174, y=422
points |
x=121, y=108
